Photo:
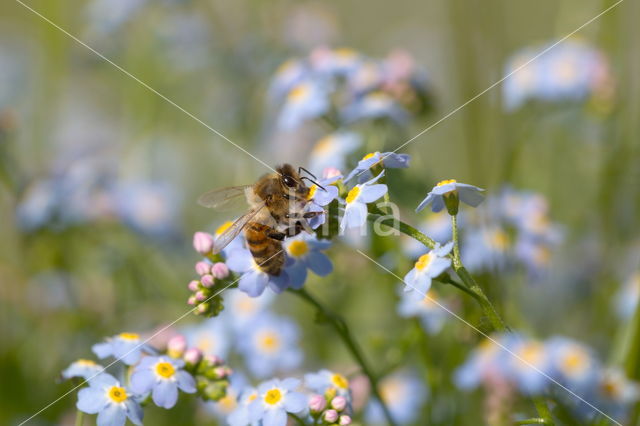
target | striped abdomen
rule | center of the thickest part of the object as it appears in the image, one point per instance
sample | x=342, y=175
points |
x=267, y=252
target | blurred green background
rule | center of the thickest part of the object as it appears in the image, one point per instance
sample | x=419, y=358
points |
x=66, y=112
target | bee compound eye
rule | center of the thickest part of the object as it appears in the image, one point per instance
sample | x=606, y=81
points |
x=288, y=180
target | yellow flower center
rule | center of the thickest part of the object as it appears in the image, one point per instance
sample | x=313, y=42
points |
x=345, y=52
x=165, y=370
x=498, y=239
x=298, y=248
x=370, y=155
x=86, y=362
x=269, y=342
x=117, y=394
x=340, y=381
x=273, y=396
x=424, y=261
x=312, y=192
x=446, y=182
x=129, y=336
x=252, y=397
x=575, y=361
x=353, y=194
x=299, y=92
x=285, y=66
x=228, y=403
x=205, y=343
x=531, y=353
x=223, y=227
x=430, y=298
x=324, y=146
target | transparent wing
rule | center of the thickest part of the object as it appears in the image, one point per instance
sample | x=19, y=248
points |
x=217, y=198
x=227, y=236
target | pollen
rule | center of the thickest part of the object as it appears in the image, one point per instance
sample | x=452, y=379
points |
x=340, y=381
x=298, y=248
x=117, y=394
x=312, y=192
x=273, y=396
x=446, y=182
x=223, y=227
x=129, y=336
x=86, y=362
x=353, y=194
x=165, y=370
x=424, y=261
x=299, y=92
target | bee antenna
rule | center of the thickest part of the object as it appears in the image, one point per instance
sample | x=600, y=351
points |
x=314, y=182
x=308, y=172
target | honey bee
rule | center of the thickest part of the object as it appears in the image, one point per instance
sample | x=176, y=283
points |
x=277, y=210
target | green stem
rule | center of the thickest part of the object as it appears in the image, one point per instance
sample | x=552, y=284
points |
x=79, y=418
x=296, y=418
x=632, y=359
x=341, y=327
x=534, y=421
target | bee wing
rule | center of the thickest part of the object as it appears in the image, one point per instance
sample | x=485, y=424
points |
x=217, y=198
x=228, y=235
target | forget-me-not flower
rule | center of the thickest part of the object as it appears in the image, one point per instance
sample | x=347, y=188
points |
x=162, y=376
x=332, y=151
x=390, y=160
x=210, y=336
x=125, y=346
x=84, y=368
x=323, y=380
x=307, y=100
x=305, y=252
x=355, y=211
x=431, y=315
x=253, y=280
x=468, y=194
x=240, y=415
x=403, y=393
x=275, y=399
x=112, y=402
x=427, y=267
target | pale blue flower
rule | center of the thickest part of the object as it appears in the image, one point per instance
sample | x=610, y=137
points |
x=332, y=63
x=147, y=207
x=162, y=376
x=389, y=160
x=430, y=265
x=253, y=280
x=84, y=368
x=324, y=379
x=573, y=364
x=615, y=393
x=431, y=315
x=468, y=194
x=275, y=399
x=305, y=252
x=270, y=343
x=487, y=362
x=529, y=366
x=112, y=402
x=404, y=394
x=127, y=347
x=355, y=211
x=240, y=416
x=332, y=151
x=211, y=336
x=306, y=101
x=486, y=248
x=241, y=308
x=321, y=198
x=627, y=297
x=287, y=76
x=373, y=106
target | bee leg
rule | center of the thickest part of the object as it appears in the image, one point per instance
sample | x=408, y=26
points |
x=277, y=235
x=309, y=215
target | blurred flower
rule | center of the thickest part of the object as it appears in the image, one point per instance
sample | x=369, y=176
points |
x=615, y=392
x=304, y=250
x=112, y=402
x=530, y=365
x=626, y=299
x=324, y=379
x=287, y=76
x=306, y=101
x=317, y=403
x=240, y=416
x=243, y=309
x=389, y=160
x=468, y=194
x=106, y=16
x=253, y=280
x=486, y=362
x=429, y=266
x=431, y=315
x=374, y=106
x=148, y=207
x=404, y=394
x=355, y=211
x=334, y=62
x=211, y=336
x=571, y=71
x=276, y=399
x=332, y=150
x=486, y=249
x=162, y=376
x=573, y=364
x=203, y=242
x=84, y=368
x=269, y=343
x=127, y=347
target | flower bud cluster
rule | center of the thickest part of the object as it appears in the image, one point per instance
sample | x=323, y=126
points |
x=329, y=409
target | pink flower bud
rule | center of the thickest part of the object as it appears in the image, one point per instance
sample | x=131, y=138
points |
x=330, y=416
x=339, y=403
x=330, y=172
x=202, y=308
x=200, y=296
x=213, y=360
x=191, y=300
x=220, y=271
x=345, y=420
x=220, y=372
x=176, y=346
x=203, y=268
x=202, y=242
x=194, y=286
x=207, y=281
x=192, y=356
x=317, y=403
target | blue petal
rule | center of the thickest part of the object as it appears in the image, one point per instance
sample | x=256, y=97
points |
x=443, y=189
x=424, y=203
x=409, y=280
x=438, y=204
x=239, y=260
x=396, y=161
x=134, y=412
x=279, y=283
x=103, y=380
x=319, y=263
x=322, y=198
x=438, y=266
x=443, y=250
x=102, y=350
x=186, y=382
x=295, y=402
x=470, y=195
x=91, y=400
x=355, y=215
x=370, y=193
x=112, y=415
x=290, y=383
x=297, y=274
x=275, y=417
x=256, y=410
x=253, y=283
x=165, y=394
x=142, y=380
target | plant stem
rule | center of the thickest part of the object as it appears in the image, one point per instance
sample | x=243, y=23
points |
x=341, y=327
x=79, y=418
x=296, y=418
x=631, y=359
x=534, y=421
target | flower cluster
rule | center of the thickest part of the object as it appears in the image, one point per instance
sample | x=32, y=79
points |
x=344, y=85
x=331, y=402
x=213, y=275
x=530, y=365
x=154, y=376
x=571, y=71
